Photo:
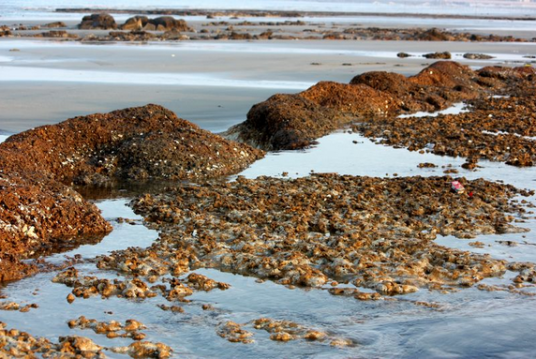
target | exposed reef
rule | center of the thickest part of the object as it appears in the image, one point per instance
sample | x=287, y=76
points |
x=373, y=101
x=167, y=28
x=376, y=233
x=38, y=206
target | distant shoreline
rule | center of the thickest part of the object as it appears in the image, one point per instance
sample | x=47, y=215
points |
x=286, y=13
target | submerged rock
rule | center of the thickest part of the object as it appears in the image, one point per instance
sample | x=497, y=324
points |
x=438, y=55
x=472, y=56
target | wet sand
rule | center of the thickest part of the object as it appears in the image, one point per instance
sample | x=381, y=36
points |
x=212, y=84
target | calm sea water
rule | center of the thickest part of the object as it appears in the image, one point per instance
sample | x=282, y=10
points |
x=31, y=7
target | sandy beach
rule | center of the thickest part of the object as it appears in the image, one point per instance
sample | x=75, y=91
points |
x=70, y=79
x=352, y=247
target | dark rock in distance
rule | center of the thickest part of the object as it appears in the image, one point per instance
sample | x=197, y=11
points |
x=135, y=23
x=472, y=56
x=55, y=24
x=98, y=21
x=162, y=23
x=403, y=55
x=438, y=55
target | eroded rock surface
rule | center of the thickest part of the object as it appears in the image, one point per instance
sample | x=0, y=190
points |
x=101, y=21
x=295, y=121
x=373, y=232
x=37, y=168
x=162, y=23
x=497, y=128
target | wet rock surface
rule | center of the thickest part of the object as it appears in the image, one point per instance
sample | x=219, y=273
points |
x=37, y=204
x=375, y=99
x=295, y=121
x=371, y=232
x=101, y=21
x=496, y=128
x=17, y=344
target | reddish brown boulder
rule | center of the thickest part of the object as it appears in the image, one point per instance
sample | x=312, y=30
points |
x=135, y=23
x=36, y=213
x=389, y=82
x=166, y=23
x=284, y=122
x=358, y=99
x=134, y=143
x=98, y=21
x=294, y=121
x=448, y=75
x=37, y=206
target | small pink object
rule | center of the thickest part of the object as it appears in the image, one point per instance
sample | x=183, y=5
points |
x=457, y=187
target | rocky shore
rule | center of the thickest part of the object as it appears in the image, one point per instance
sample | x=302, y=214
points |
x=375, y=233
x=282, y=13
x=17, y=344
x=501, y=100
x=168, y=28
x=39, y=207
x=354, y=239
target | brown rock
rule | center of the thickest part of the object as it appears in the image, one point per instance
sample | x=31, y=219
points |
x=135, y=23
x=37, y=166
x=295, y=121
x=166, y=23
x=284, y=122
x=403, y=55
x=438, y=55
x=55, y=24
x=472, y=56
x=435, y=34
x=98, y=21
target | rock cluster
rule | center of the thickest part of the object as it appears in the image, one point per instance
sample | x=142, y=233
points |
x=414, y=34
x=113, y=329
x=280, y=330
x=135, y=35
x=37, y=168
x=375, y=99
x=372, y=232
x=234, y=333
x=438, y=55
x=162, y=23
x=251, y=30
x=496, y=128
x=88, y=286
x=285, y=330
x=104, y=21
x=17, y=344
x=295, y=121
x=100, y=21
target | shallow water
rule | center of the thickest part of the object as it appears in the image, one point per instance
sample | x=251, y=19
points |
x=469, y=323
